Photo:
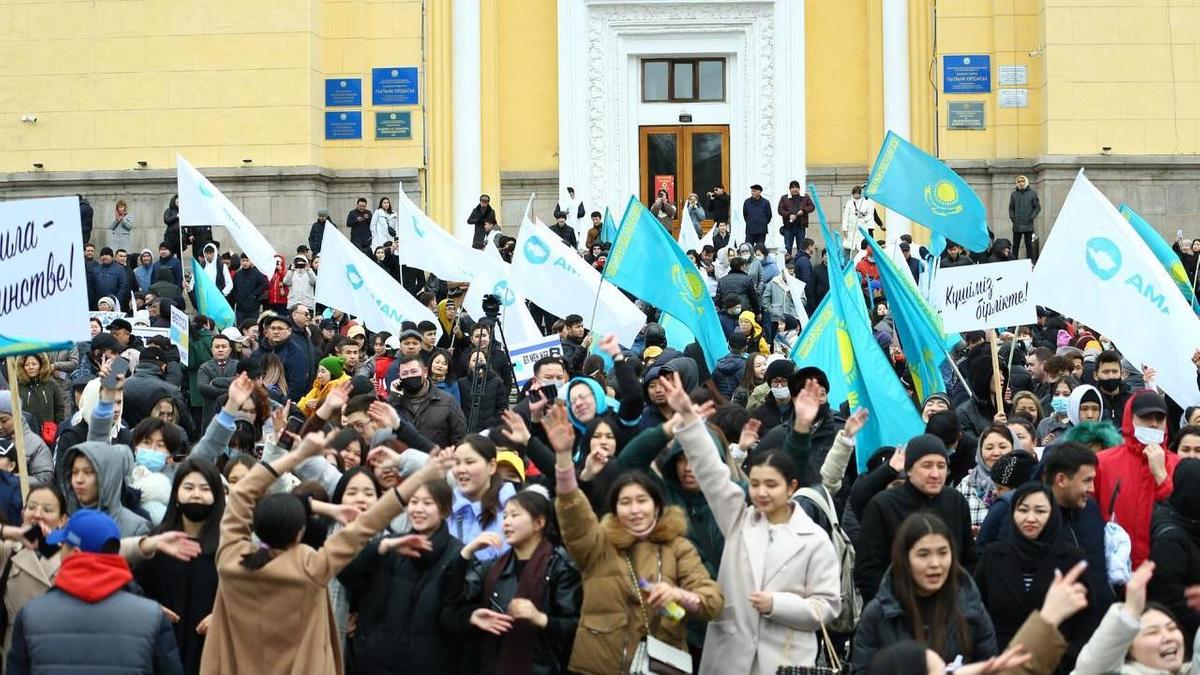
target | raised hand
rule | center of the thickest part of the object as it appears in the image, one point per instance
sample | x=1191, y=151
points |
x=383, y=415
x=806, y=405
x=896, y=462
x=677, y=397
x=335, y=400
x=558, y=429
x=241, y=388
x=514, y=428
x=342, y=513
x=177, y=545
x=706, y=409
x=381, y=455
x=749, y=435
x=1012, y=658
x=1066, y=596
x=312, y=445
x=437, y=466
x=855, y=422
x=1135, y=590
x=594, y=463
x=609, y=345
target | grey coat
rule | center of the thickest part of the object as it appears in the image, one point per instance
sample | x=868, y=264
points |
x=112, y=464
x=120, y=233
x=212, y=379
x=1023, y=208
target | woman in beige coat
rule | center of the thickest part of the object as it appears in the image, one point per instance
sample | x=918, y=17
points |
x=639, y=532
x=272, y=613
x=779, y=573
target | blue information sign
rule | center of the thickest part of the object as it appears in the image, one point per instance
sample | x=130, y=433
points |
x=343, y=125
x=345, y=91
x=393, y=125
x=394, y=86
x=967, y=74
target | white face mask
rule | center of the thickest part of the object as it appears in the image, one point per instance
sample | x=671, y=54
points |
x=780, y=392
x=1148, y=435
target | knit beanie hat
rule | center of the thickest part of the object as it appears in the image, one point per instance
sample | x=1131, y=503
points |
x=333, y=364
x=1013, y=469
x=918, y=447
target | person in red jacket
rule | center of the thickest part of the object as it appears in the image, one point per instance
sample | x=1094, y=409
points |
x=277, y=292
x=1141, y=468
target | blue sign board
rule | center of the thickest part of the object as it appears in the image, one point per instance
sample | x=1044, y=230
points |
x=344, y=125
x=393, y=125
x=967, y=74
x=345, y=91
x=394, y=86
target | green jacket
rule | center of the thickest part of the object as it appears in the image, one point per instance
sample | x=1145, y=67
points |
x=199, y=351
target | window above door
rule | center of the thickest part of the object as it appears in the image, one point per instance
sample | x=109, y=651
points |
x=683, y=80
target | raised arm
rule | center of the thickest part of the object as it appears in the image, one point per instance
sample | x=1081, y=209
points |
x=581, y=531
x=833, y=469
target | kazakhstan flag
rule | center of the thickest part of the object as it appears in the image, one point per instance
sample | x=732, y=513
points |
x=917, y=325
x=647, y=262
x=918, y=186
x=209, y=300
x=858, y=366
x=1164, y=254
x=608, y=229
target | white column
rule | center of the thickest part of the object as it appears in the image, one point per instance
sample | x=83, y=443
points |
x=791, y=150
x=897, y=115
x=468, y=137
x=573, y=103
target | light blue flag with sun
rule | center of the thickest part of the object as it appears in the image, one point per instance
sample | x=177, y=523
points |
x=608, y=229
x=209, y=300
x=818, y=345
x=1162, y=251
x=863, y=370
x=921, y=188
x=648, y=263
x=918, y=325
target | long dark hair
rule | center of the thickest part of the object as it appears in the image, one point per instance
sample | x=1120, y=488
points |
x=278, y=520
x=210, y=531
x=642, y=480
x=490, y=501
x=339, y=491
x=342, y=439
x=945, y=612
x=538, y=506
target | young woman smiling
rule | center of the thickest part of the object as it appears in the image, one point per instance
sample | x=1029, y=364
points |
x=479, y=494
x=925, y=596
x=779, y=573
x=524, y=606
x=641, y=539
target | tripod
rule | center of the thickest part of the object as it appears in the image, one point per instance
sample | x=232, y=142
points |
x=493, y=321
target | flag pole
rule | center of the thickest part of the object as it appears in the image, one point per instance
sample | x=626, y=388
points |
x=18, y=427
x=997, y=385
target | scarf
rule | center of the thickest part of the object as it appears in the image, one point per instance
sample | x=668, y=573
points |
x=516, y=649
x=1032, y=553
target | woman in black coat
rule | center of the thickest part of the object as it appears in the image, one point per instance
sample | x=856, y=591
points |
x=520, y=610
x=1175, y=546
x=482, y=381
x=401, y=626
x=1014, y=573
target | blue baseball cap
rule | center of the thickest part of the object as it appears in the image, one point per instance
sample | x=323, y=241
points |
x=88, y=530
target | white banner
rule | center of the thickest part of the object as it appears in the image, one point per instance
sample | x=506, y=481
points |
x=688, y=239
x=558, y=280
x=425, y=245
x=978, y=297
x=179, y=333
x=43, y=285
x=796, y=288
x=527, y=353
x=357, y=285
x=493, y=277
x=1096, y=269
x=201, y=203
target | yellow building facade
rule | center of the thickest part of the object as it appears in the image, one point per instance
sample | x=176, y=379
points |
x=511, y=97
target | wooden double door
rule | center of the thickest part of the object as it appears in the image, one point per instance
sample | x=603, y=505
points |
x=682, y=160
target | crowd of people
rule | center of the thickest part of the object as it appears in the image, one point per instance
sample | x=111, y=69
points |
x=311, y=495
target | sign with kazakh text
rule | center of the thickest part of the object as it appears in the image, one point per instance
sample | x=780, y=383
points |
x=976, y=297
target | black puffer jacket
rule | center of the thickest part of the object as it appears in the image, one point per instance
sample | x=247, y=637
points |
x=741, y=285
x=884, y=622
x=145, y=389
x=435, y=414
x=1175, y=550
x=493, y=399
x=462, y=591
x=401, y=624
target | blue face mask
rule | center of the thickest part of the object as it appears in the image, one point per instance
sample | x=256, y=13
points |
x=1059, y=404
x=151, y=459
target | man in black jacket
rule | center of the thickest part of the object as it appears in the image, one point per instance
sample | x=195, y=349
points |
x=483, y=217
x=740, y=285
x=816, y=292
x=89, y=612
x=85, y=218
x=717, y=207
x=565, y=232
x=358, y=222
x=316, y=232
x=148, y=385
x=435, y=414
x=794, y=208
x=756, y=212
x=573, y=335
x=293, y=350
x=925, y=489
x=249, y=290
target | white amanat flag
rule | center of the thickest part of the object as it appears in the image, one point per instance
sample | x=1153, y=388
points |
x=570, y=205
x=796, y=288
x=357, y=285
x=1095, y=269
x=688, y=241
x=427, y=246
x=493, y=277
x=554, y=276
x=201, y=203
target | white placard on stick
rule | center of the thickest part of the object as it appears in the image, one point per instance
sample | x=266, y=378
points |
x=43, y=286
x=977, y=297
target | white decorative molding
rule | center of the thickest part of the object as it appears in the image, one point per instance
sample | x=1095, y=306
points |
x=599, y=91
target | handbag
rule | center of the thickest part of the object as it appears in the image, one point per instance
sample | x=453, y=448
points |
x=833, y=665
x=653, y=655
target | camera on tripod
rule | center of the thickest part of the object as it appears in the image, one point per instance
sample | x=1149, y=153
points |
x=491, y=305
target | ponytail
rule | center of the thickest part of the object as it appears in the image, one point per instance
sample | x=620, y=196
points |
x=278, y=521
